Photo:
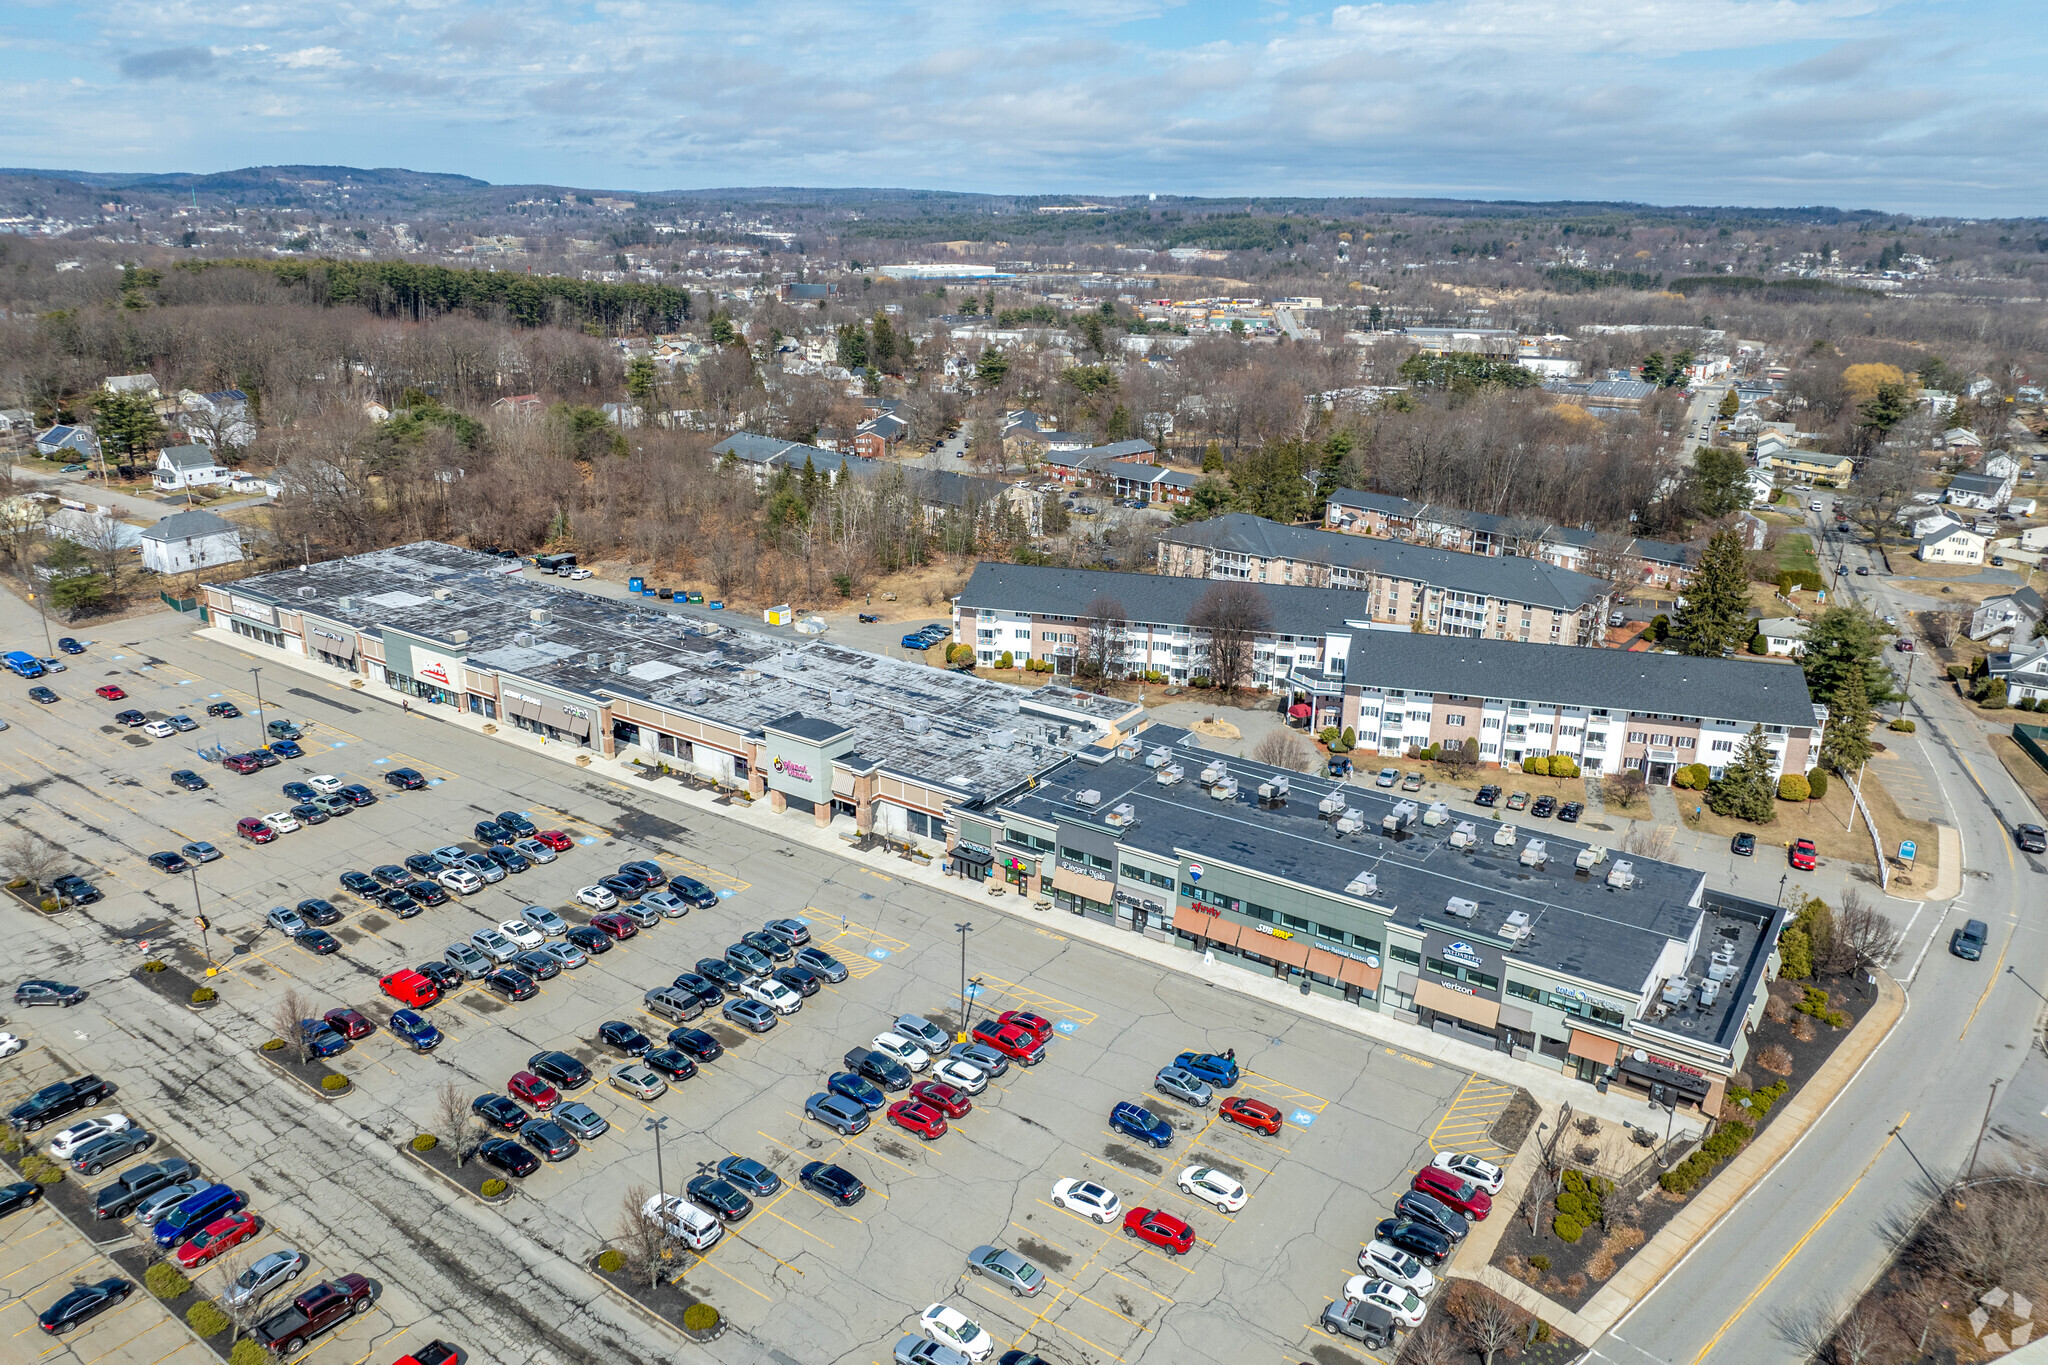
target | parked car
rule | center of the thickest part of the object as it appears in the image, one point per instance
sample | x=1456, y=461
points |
x=1212, y=1186
x=1218, y=1069
x=834, y=1183
x=1007, y=1269
x=1135, y=1120
x=1804, y=855
x=1453, y=1190
x=1488, y=795
x=1162, y=1229
x=1184, y=1085
x=1968, y=942
x=1088, y=1199
x=1742, y=845
x=837, y=1112
x=1424, y=1241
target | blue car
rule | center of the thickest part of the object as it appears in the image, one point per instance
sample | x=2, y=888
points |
x=412, y=1026
x=858, y=1089
x=1137, y=1121
x=1217, y=1070
x=321, y=1040
x=70, y=646
x=285, y=748
x=916, y=640
x=693, y=891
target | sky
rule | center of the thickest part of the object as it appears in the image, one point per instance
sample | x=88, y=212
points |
x=1916, y=106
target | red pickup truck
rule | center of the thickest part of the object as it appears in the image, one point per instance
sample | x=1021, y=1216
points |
x=321, y=1308
x=410, y=988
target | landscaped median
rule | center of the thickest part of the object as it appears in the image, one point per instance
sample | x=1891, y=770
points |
x=316, y=1076
x=650, y=1277
x=472, y=1177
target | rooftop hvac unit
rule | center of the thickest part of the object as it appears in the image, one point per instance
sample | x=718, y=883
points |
x=1461, y=908
x=1720, y=971
x=1397, y=820
x=622, y=656
x=1710, y=991
x=1505, y=836
x=1158, y=758
x=1226, y=790
x=1592, y=855
x=346, y=603
x=617, y=667
x=1678, y=992
x=1622, y=874
x=460, y=637
x=1002, y=739
x=1535, y=852
x=841, y=698
x=310, y=591
x=1331, y=804
x=918, y=725
x=1273, y=794
x=1438, y=813
x=1214, y=773
x=1351, y=821
x=1128, y=749
x=1122, y=815
x=1517, y=926
x=696, y=696
x=540, y=616
x=1464, y=835
x=793, y=661
x=593, y=661
x=443, y=594
x=1365, y=884
x=1171, y=774
x=524, y=639
x=1090, y=798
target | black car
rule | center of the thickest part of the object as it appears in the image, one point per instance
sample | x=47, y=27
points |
x=47, y=993
x=361, y=884
x=405, y=779
x=356, y=794
x=265, y=758
x=670, y=1063
x=835, y=1183
x=549, y=1138
x=1437, y=1214
x=119, y=1199
x=511, y=859
x=509, y=1157
x=226, y=710
x=317, y=941
x=1570, y=812
x=559, y=1068
x=1488, y=795
x=426, y=893
x=309, y=814
x=623, y=1036
x=391, y=874
x=299, y=791
x=774, y=945
x=189, y=780
x=76, y=889
x=750, y=1175
x=650, y=874
x=487, y=832
x=169, y=862
x=1743, y=845
x=423, y=864
x=510, y=984
x=42, y=696
x=696, y=1043
x=628, y=889
x=86, y=1301
x=130, y=718
x=499, y=1111
x=399, y=903
x=1545, y=807
x=2031, y=838
x=702, y=988
x=802, y=980
x=693, y=891
x=22, y=1194
x=886, y=1072
x=590, y=940
x=516, y=824
x=537, y=964
x=724, y=973
x=717, y=1195
x=1417, y=1239
x=442, y=973
x=318, y=910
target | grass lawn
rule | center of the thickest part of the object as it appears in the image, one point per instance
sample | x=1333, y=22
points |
x=1823, y=822
x=2024, y=770
x=1796, y=552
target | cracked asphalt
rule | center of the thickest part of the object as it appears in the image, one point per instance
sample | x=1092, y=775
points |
x=797, y=1279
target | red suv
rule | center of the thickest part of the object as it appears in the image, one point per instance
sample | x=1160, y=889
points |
x=254, y=830
x=1249, y=1113
x=1805, y=856
x=1161, y=1229
x=1453, y=1189
x=615, y=924
x=1012, y=1040
x=942, y=1097
x=922, y=1119
x=1037, y=1023
x=555, y=840
x=524, y=1085
x=241, y=763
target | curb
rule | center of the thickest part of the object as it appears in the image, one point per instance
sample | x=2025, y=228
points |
x=511, y=1190
x=325, y=1096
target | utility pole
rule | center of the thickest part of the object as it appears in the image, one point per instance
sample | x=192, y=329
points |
x=1971, y=1169
x=963, y=930
x=654, y=1125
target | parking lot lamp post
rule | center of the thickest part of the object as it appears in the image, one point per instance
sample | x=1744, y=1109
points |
x=963, y=930
x=655, y=1125
x=199, y=915
x=262, y=735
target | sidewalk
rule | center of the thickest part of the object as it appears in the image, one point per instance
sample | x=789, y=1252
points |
x=1549, y=1086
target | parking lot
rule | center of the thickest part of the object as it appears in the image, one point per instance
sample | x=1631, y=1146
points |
x=798, y=1275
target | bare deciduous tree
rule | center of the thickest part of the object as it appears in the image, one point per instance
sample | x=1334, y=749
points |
x=289, y=1019
x=29, y=856
x=454, y=1121
x=1285, y=749
x=1488, y=1321
x=1105, y=627
x=1434, y=1344
x=1940, y=628
x=644, y=1241
x=1231, y=616
x=1863, y=935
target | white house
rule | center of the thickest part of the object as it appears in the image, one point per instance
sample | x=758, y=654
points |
x=2025, y=670
x=2000, y=465
x=191, y=466
x=1784, y=636
x=1960, y=438
x=1987, y=492
x=1925, y=521
x=135, y=385
x=2021, y=507
x=1956, y=544
x=1762, y=486
x=185, y=541
x=2016, y=611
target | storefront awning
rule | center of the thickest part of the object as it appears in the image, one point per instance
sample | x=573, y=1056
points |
x=1081, y=884
x=1656, y=1073
x=978, y=857
x=1594, y=1048
x=1359, y=974
x=1291, y=952
x=1473, y=1009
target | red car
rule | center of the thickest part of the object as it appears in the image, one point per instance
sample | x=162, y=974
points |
x=216, y=1237
x=942, y=1097
x=1161, y=1229
x=1453, y=1189
x=1012, y=1040
x=922, y=1119
x=349, y=1024
x=1805, y=856
x=254, y=830
x=1037, y=1023
x=111, y=693
x=615, y=924
x=524, y=1085
x=1255, y=1114
x=555, y=840
x=411, y=988
x=241, y=763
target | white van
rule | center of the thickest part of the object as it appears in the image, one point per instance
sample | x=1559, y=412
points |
x=683, y=1220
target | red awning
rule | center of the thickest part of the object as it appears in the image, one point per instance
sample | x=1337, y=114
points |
x=1299, y=710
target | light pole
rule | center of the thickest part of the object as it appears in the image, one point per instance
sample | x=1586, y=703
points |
x=963, y=930
x=262, y=736
x=654, y=1125
x=1971, y=1169
x=199, y=916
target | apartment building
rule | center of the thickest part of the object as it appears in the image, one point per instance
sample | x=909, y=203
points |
x=1406, y=586
x=1618, y=556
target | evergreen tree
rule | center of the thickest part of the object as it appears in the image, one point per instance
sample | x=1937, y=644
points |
x=991, y=367
x=1846, y=746
x=1330, y=468
x=1747, y=790
x=640, y=380
x=853, y=348
x=1653, y=368
x=126, y=424
x=1212, y=458
x=1091, y=331
x=1886, y=408
x=1845, y=640
x=1674, y=373
x=1715, y=617
x=1118, y=428
x=882, y=351
x=1731, y=402
x=810, y=484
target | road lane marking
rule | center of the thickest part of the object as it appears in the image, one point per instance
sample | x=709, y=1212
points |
x=2011, y=931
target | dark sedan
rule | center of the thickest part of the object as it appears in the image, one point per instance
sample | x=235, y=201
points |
x=189, y=780
x=169, y=862
x=1545, y=807
x=697, y=1043
x=774, y=945
x=361, y=884
x=356, y=794
x=299, y=791
x=392, y=874
x=399, y=903
x=670, y=1063
x=426, y=892
x=589, y=939
x=702, y=988
x=423, y=865
x=499, y=1111
x=537, y=964
x=623, y=1036
x=720, y=1196
x=724, y=973
x=510, y=859
x=859, y=1089
x=1570, y=812
x=750, y=1175
x=20, y=1195
x=317, y=941
x=627, y=889
x=1743, y=845
x=509, y=1157
x=84, y=1302
x=835, y=1183
x=549, y=1138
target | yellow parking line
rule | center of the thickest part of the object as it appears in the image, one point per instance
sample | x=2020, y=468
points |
x=1236, y=1158
x=1138, y=1284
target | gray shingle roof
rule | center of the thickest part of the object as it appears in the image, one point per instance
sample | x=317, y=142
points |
x=1150, y=598
x=196, y=522
x=188, y=457
x=1514, y=579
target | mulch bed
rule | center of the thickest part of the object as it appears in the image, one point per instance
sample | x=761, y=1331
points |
x=307, y=1074
x=170, y=983
x=664, y=1302
x=468, y=1177
x=135, y=1262
x=1644, y=1207
x=1511, y=1129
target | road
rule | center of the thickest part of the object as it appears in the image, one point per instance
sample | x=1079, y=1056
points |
x=1812, y=1232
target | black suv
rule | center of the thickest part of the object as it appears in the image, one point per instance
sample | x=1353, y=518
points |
x=1545, y=807
x=1488, y=795
x=886, y=1072
x=405, y=779
x=559, y=1068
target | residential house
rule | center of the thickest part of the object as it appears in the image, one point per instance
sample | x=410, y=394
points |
x=1815, y=466
x=525, y=407
x=624, y=415
x=17, y=426
x=2017, y=611
x=1577, y=548
x=1122, y=469
x=1784, y=636
x=193, y=466
x=223, y=414
x=2021, y=507
x=185, y=541
x=76, y=442
x=877, y=436
x=1960, y=438
x=2024, y=668
x=1956, y=544
x=1988, y=492
x=133, y=385
x=765, y=455
x=2000, y=465
x=1761, y=485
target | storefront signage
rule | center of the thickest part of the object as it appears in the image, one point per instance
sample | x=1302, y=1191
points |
x=1194, y=872
x=1463, y=954
x=435, y=673
x=330, y=635
x=972, y=847
x=796, y=770
x=254, y=611
x=1458, y=986
x=1652, y=1057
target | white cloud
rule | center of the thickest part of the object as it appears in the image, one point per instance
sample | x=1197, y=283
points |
x=308, y=57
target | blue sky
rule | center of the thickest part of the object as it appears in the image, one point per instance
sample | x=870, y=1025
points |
x=1928, y=106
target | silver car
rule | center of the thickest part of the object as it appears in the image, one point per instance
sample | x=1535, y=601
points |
x=1007, y=1269
x=255, y=1283
x=487, y=868
x=493, y=944
x=1181, y=1084
x=668, y=902
x=286, y=920
x=568, y=954
x=545, y=920
x=534, y=851
x=923, y=1032
x=992, y=1062
x=166, y=1199
x=467, y=960
x=583, y=1122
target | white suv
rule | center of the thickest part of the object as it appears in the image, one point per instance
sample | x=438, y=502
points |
x=898, y=1048
x=683, y=1220
x=773, y=994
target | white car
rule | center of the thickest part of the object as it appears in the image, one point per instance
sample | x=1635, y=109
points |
x=773, y=994
x=697, y=1228
x=1088, y=1199
x=1392, y=1264
x=460, y=880
x=9, y=1045
x=597, y=898
x=281, y=821
x=522, y=933
x=66, y=1144
x=545, y=920
x=1404, y=1304
x=535, y=851
x=494, y=945
x=159, y=729
x=1484, y=1174
x=1211, y=1186
x=898, y=1048
x=327, y=784
x=961, y=1075
x=577, y=574
x=949, y=1326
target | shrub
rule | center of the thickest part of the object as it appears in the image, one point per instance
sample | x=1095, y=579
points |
x=332, y=1083
x=1572, y=1205
x=205, y=995
x=1348, y=740
x=154, y=966
x=1575, y=1181
x=1563, y=765
x=425, y=1142
x=1008, y=660
x=1760, y=1101
x=492, y=1189
x=1758, y=645
x=1537, y=766
x=1328, y=735
x=247, y=1352
x=1795, y=954
x=610, y=1262
x=1816, y=785
x=165, y=1281
x=1539, y=1262
x=205, y=1319
x=1775, y=1059
x=9, y=1143
x=1567, y=1229
x=1199, y=681
x=1993, y=698
x=273, y=1045
x=49, y=907
x=1793, y=787
x=1543, y=1332
x=1903, y=726
x=699, y=1317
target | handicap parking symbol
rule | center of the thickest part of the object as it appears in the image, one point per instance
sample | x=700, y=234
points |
x=586, y=841
x=1064, y=1026
x=879, y=954
x=1302, y=1118
x=974, y=990
x=433, y=782
x=725, y=893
